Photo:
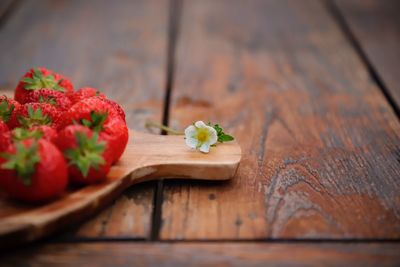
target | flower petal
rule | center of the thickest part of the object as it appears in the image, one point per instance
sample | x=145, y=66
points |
x=200, y=124
x=190, y=136
x=205, y=148
x=190, y=131
x=213, y=136
x=191, y=142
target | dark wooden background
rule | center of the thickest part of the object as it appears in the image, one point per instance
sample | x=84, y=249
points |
x=311, y=90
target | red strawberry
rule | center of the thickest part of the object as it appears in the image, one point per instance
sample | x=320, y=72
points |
x=41, y=78
x=88, y=155
x=5, y=136
x=3, y=127
x=84, y=108
x=117, y=135
x=52, y=97
x=64, y=83
x=33, y=170
x=116, y=107
x=84, y=93
x=5, y=141
x=113, y=130
x=37, y=114
x=8, y=109
x=102, y=117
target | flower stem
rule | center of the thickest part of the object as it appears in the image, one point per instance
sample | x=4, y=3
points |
x=152, y=124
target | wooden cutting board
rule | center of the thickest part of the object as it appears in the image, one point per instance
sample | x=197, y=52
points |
x=147, y=157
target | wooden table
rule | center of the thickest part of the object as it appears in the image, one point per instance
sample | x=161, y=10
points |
x=311, y=90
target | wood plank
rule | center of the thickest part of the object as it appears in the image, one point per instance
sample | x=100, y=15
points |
x=203, y=254
x=320, y=143
x=376, y=26
x=4, y=6
x=118, y=48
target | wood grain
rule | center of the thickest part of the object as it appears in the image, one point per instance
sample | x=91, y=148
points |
x=320, y=143
x=376, y=26
x=4, y=7
x=147, y=157
x=201, y=254
x=119, y=48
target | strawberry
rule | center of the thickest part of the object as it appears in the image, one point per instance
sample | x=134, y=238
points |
x=8, y=109
x=37, y=114
x=117, y=135
x=84, y=108
x=114, y=129
x=3, y=127
x=5, y=136
x=33, y=170
x=88, y=92
x=52, y=97
x=89, y=156
x=41, y=78
x=116, y=107
x=5, y=141
x=84, y=93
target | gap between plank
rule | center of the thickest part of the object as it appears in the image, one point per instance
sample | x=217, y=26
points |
x=175, y=7
x=210, y=241
x=345, y=28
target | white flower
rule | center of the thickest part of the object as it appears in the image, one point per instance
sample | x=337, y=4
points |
x=200, y=136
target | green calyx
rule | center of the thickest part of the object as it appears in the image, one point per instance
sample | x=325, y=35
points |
x=6, y=110
x=96, y=122
x=23, y=161
x=19, y=134
x=49, y=100
x=87, y=154
x=39, y=81
x=222, y=137
x=34, y=118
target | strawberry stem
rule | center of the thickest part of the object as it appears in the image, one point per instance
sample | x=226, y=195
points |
x=6, y=110
x=49, y=100
x=87, y=154
x=39, y=81
x=34, y=118
x=152, y=124
x=23, y=161
x=96, y=122
x=19, y=134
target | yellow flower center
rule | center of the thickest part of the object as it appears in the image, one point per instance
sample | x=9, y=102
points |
x=202, y=135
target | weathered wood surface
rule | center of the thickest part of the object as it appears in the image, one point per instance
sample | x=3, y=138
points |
x=4, y=8
x=376, y=26
x=147, y=157
x=120, y=49
x=320, y=142
x=201, y=254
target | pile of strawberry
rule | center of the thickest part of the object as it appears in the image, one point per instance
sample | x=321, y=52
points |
x=51, y=135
